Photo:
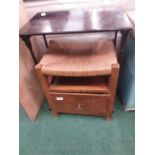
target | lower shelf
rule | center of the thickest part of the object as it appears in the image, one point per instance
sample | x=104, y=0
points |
x=95, y=84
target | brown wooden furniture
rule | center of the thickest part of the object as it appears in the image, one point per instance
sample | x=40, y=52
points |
x=81, y=82
x=30, y=92
x=76, y=21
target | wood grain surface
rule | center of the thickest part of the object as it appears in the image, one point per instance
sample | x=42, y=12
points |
x=30, y=92
x=77, y=21
x=75, y=86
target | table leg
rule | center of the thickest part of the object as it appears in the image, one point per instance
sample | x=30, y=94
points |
x=45, y=41
x=28, y=44
x=122, y=44
x=115, y=39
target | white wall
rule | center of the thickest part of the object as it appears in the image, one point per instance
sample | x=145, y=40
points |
x=51, y=5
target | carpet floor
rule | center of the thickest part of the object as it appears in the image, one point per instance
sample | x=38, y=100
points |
x=77, y=134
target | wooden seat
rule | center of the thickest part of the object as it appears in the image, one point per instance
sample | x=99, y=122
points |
x=79, y=62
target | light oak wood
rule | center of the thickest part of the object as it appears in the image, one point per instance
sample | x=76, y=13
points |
x=76, y=91
x=30, y=92
x=113, y=85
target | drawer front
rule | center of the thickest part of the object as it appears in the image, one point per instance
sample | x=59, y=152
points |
x=80, y=103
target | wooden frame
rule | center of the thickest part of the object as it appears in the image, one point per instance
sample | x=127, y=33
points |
x=103, y=101
x=97, y=99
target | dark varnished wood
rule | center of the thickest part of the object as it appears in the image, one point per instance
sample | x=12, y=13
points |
x=77, y=21
x=45, y=41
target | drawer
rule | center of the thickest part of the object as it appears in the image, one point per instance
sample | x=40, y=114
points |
x=80, y=103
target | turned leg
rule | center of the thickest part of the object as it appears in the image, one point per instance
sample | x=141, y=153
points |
x=115, y=39
x=45, y=41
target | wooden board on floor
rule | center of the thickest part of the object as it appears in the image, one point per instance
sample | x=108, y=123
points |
x=30, y=92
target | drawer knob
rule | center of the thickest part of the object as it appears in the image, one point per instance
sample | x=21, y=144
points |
x=78, y=107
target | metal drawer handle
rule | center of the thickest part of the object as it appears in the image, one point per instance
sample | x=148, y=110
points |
x=59, y=98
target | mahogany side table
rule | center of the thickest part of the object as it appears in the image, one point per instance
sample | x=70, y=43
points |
x=75, y=22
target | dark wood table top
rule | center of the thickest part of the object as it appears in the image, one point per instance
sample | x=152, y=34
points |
x=77, y=21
